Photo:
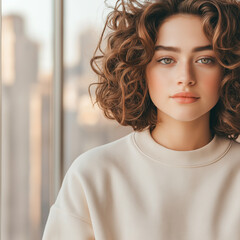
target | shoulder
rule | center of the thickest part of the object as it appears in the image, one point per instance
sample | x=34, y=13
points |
x=105, y=155
x=91, y=167
x=233, y=151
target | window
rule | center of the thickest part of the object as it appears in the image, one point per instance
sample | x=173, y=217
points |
x=27, y=70
x=31, y=87
x=85, y=126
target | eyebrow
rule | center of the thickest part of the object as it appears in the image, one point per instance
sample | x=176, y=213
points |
x=175, y=49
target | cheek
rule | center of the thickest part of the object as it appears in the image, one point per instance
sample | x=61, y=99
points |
x=211, y=84
x=212, y=87
x=157, y=83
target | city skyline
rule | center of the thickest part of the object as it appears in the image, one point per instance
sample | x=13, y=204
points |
x=27, y=127
x=79, y=16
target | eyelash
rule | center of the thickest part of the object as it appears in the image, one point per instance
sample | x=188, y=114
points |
x=209, y=59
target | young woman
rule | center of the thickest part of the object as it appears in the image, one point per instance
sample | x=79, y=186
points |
x=171, y=70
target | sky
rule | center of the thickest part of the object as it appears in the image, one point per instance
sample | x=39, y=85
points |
x=38, y=16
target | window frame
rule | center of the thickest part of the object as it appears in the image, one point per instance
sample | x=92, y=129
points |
x=57, y=112
x=56, y=163
x=1, y=120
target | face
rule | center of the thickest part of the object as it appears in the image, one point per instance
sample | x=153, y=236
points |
x=183, y=63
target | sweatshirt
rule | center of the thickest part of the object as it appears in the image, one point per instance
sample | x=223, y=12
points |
x=136, y=189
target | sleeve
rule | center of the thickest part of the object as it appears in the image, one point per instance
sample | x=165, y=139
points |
x=62, y=226
x=69, y=216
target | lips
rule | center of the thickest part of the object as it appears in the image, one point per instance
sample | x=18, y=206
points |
x=184, y=95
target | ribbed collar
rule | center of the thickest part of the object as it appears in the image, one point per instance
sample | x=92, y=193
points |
x=208, y=154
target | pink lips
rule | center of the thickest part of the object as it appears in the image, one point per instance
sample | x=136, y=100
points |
x=185, y=97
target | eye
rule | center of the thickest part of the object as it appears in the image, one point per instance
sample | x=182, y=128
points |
x=206, y=60
x=165, y=61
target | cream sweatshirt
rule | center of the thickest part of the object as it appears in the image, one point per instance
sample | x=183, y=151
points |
x=136, y=189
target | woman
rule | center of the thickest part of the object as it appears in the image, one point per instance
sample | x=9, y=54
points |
x=171, y=71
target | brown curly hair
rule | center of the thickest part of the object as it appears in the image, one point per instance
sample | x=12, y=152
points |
x=132, y=27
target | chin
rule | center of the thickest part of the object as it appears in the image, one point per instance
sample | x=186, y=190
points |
x=183, y=116
x=188, y=117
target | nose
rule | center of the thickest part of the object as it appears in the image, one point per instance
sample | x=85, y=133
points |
x=186, y=75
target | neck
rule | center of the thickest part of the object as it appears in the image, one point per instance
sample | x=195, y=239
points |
x=183, y=136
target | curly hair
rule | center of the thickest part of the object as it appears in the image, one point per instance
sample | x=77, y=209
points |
x=131, y=28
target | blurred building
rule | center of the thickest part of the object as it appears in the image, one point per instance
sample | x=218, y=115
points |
x=26, y=126
x=85, y=125
x=23, y=118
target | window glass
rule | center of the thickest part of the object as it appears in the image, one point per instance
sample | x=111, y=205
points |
x=85, y=126
x=26, y=90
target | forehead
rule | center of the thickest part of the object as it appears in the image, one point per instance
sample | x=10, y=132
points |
x=182, y=30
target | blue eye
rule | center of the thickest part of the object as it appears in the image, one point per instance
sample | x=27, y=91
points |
x=165, y=61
